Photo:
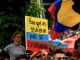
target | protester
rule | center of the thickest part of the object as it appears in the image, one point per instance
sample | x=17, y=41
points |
x=22, y=57
x=15, y=48
x=69, y=33
x=43, y=54
x=59, y=55
x=76, y=52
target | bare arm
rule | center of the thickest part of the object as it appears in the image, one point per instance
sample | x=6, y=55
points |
x=33, y=55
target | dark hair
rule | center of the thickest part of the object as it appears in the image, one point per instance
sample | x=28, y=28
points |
x=50, y=50
x=58, y=51
x=14, y=34
x=2, y=53
x=77, y=41
x=22, y=57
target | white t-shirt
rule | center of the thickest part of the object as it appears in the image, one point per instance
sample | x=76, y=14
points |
x=14, y=51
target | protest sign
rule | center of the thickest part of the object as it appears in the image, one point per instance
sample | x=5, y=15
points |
x=36, y=31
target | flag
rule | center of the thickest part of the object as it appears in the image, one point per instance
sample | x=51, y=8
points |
x=64, y=17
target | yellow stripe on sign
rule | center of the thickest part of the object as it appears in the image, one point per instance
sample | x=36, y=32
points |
x=36, y=25
x=66, y=15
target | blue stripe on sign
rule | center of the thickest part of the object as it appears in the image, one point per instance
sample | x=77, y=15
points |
x=37, y=37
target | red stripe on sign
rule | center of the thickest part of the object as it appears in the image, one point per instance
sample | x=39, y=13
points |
x=37, y=46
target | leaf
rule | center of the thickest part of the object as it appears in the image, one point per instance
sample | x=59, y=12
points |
x=0, y=20
x=2, y=12
x=3, y=33
x=1, y=27
x=19, y=26
x=2, y=40
x=3, y=19
x=10, y=8
x=35, y=7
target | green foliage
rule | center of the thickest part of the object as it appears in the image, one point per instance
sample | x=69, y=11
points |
x=10, y=24
x=34, y=9
x=12, y=18
x=52, y=46
x=50, y=23
x=49, y=18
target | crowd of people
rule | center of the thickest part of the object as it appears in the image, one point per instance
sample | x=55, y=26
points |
x=67, y=34
x=18, y=52
x=43, y=55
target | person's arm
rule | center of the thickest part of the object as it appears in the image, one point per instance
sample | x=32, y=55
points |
x=7, y=59
x=43, y=55
x=33, y=55
x=6, y=49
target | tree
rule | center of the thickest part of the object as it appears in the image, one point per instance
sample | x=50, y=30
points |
x=34, y=9
x=12, y=18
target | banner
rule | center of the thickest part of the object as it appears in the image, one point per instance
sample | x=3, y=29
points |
x=37, y=37
x=70, y=42
x=36, y=32
x=37, y=46
x=36, y=25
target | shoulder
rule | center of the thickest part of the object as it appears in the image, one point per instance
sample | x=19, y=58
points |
x=10, y=45
x=7, y=48
x=22, y=46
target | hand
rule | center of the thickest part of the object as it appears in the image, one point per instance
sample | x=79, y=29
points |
x=44, y=55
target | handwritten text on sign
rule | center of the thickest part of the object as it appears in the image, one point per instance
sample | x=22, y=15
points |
x=36, y=25
x=37, y=46
x=37, y=37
